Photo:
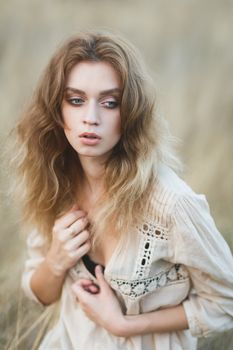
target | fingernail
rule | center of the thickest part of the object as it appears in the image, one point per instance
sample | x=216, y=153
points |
x=99, y=268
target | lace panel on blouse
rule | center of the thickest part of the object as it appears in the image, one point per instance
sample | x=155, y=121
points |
x=150, y=234
x=137, y=288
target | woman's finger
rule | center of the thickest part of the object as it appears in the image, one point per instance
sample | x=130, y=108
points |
x=93, y=289
x=69, y=218
x=88, y=285
x=78, y=226
x=77, y=241
x=100, y=276
x=83, y=282
x=82, y=250
x=75, y=229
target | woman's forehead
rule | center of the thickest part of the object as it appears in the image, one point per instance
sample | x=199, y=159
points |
x=87, y=73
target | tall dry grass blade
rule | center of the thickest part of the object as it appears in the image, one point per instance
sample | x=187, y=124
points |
x=17, y=340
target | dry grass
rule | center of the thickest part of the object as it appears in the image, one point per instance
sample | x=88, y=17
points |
x=189, y=46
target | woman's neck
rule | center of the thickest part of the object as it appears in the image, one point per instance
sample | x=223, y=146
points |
x=93, y=179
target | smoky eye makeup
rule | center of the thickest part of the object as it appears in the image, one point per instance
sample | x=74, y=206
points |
x=110, y=103
x=70, y=94
x=76, y=101
x=73, y=98
x=109, y=99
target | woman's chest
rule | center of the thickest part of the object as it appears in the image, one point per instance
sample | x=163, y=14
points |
x=102, y=251
x=142, y=273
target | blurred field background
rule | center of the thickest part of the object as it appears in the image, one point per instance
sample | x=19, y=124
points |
x=187, y=46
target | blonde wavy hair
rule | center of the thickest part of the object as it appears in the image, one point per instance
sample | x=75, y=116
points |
x=49, y=168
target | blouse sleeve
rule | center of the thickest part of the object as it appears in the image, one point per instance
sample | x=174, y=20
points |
x=36, y=255
x=201, y=248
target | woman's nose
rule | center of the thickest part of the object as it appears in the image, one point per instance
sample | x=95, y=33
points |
x=91, y=114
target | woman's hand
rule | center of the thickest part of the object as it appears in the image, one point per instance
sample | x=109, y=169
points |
x=100, y=303
x=70, y=241
x=102, y=307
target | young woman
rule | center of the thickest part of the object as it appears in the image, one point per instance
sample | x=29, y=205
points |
x=128, y=248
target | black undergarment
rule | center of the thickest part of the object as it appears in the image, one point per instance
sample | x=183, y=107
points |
x=90, y=264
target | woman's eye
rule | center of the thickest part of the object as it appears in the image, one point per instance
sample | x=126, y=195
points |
x=110, y=104
x=76, y=101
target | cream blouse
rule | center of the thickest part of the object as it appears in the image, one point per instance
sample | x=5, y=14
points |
x=177, y=256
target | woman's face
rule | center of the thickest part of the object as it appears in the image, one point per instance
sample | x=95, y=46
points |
x=91, y=109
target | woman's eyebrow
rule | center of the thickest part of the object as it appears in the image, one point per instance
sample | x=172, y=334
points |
x=102, y=93
x=110, y=92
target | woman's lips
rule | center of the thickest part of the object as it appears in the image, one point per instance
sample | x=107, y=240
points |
x=89, y=138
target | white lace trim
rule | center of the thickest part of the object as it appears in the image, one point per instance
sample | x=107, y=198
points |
x=150, y=233
x=136, y=288
x=154, y=230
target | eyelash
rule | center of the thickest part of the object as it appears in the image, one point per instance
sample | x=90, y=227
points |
x=72, y=101
x=114, y=104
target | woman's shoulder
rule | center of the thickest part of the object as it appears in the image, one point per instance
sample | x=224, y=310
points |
x=168, y=180
x=168, y=190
